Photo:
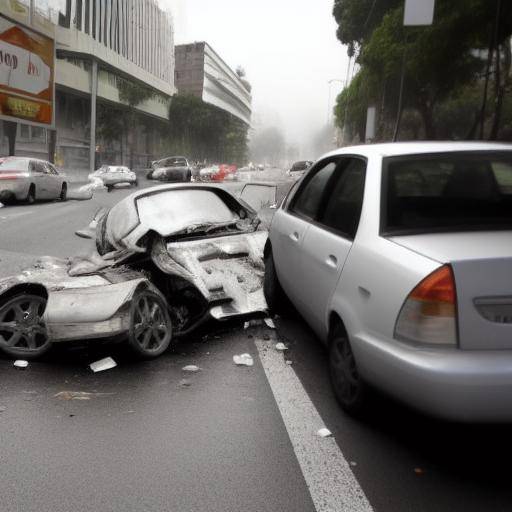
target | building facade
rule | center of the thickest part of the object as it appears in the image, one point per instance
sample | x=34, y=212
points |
x=201, y=71
x=103, y=48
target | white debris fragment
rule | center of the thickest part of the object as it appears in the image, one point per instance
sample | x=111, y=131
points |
x=73, y=395
x=192, y=368
x=243, y=360
x=324, y=432
x=270, y=323
x=1, y=205
x=246, y=325
x=281, y=347
x=21, y=364
x=289, y=363
x=103, y=364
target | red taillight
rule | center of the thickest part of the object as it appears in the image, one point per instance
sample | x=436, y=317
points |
x=12, y=175
x=428, y=314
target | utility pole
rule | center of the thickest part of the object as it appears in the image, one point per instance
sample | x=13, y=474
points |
x=94, y=94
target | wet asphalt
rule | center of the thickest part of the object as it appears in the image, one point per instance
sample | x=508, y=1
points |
x=150, y=437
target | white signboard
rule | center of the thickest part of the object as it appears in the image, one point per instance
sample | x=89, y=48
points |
x=419, y=12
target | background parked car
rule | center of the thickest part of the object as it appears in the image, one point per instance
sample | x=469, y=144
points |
x=171, y=169
x=399, y=256
x=28, y=179
x=114, y=174
x=299, y=168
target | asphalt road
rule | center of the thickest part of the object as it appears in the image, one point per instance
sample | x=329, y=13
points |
x=150, y=437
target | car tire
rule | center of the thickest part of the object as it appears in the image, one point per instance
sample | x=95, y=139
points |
x=150, y=330
x=23, y=333
x=149, y=175
x=349, y=388
x=135, y=183
x=31, y=196
x=276, y=298
x=64, y=192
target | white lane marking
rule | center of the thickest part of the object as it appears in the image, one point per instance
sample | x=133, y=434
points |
x=331, y=482
x=15, y=215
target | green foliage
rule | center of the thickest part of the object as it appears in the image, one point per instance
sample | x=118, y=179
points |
x=202, y=131
x=443, y=64
x=133, y=93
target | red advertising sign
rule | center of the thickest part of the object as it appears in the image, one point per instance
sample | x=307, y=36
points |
x=27, y=74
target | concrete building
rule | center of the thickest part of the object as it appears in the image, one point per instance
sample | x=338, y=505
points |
x=101, y=45
x=201, y=72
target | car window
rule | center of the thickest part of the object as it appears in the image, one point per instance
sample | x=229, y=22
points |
x=307, y=202
x=446, y=192
x=50, y=169
x=343, y=207
x=38, y=166
x=14, y=164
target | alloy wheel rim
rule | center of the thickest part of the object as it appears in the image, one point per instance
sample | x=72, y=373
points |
x=149, y=324
x=22, y=325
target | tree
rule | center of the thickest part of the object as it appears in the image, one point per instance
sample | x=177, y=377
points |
x=438, y=62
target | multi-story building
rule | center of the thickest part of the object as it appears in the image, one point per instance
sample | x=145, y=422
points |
x=103, y=48
x=202, y=72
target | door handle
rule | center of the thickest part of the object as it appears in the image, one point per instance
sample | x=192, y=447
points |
x=294, y=236
x=332, y=261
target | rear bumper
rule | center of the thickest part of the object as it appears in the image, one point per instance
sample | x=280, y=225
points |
x=17, y=189
x=449, y=383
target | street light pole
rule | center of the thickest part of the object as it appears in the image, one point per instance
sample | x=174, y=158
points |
x=329, y=83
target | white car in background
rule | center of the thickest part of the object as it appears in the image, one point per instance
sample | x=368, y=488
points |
x=30, y=179
x=399, y=256
x=112, y=175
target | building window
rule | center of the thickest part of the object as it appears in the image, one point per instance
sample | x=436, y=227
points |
x=87, y=16
x=78, y=15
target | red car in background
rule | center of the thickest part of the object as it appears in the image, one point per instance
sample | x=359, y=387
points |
x=225, y=171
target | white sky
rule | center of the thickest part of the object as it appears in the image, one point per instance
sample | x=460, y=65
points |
x=287, y=47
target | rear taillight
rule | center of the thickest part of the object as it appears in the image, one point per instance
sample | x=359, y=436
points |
x=429, y=314
x=13, y=175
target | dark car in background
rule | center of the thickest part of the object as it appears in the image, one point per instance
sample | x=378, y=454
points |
x=299, y=168
x=171, y=169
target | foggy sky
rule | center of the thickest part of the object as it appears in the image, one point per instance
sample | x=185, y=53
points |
x=287, y=47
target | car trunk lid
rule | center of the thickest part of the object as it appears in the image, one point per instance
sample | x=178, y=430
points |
x=482, y=266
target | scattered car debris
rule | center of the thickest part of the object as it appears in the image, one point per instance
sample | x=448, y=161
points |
x=185, y=383
x=270, y=323
x=1, y=205
x=21, y=364
x=324, y=432
x=353, y=463
x=192, y=368
x=103, y=364
x=243, y=360
x=288, y=362
x=73, y=395
x=281, y=347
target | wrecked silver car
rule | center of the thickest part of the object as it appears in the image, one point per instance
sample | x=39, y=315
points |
x=167, y=258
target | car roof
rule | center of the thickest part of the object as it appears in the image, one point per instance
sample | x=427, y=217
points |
x=413, y=148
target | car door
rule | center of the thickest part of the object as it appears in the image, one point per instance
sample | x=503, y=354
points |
x=40, y=179
x=54, y=181
x=290, y=225
x=328, y=240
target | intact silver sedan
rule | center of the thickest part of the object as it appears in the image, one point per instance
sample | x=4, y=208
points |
x=30, y=179
x=399, y=256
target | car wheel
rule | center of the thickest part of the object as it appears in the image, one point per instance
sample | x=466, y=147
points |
x=135, y=183
x=276, y=298
x=150, y=325
x=31, y=196
x=64, y=192
x=23, y=332
x=149, y=175
x=349, y=388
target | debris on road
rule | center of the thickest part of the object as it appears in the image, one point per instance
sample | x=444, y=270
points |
x=185, y=383
x=1, y=205
x=270, y=323
x=324, y=432
x=103, y=364
x=243, y=360
x=353, y=463
x=192, y=368
x=21, y=364
x=280, y=347
x=2, y=408
x=288, y=362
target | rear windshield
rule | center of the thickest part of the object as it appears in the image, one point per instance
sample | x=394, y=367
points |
x=456, y=192
x=13, y=164
x=300, y=166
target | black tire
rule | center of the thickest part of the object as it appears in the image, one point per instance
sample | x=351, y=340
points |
x=150, y=331
x=109, y=188
x=149, y=175
x=350, y=389
x=64, y=192
x=31, y=196
x=189, y=176
x=23, y=333
x=135, y=183
x=276, y=298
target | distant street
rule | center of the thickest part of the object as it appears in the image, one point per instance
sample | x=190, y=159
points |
x=150, y=437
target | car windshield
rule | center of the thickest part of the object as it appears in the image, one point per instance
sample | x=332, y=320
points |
x=173, y=162
x=443, y=192
x=14, y=164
